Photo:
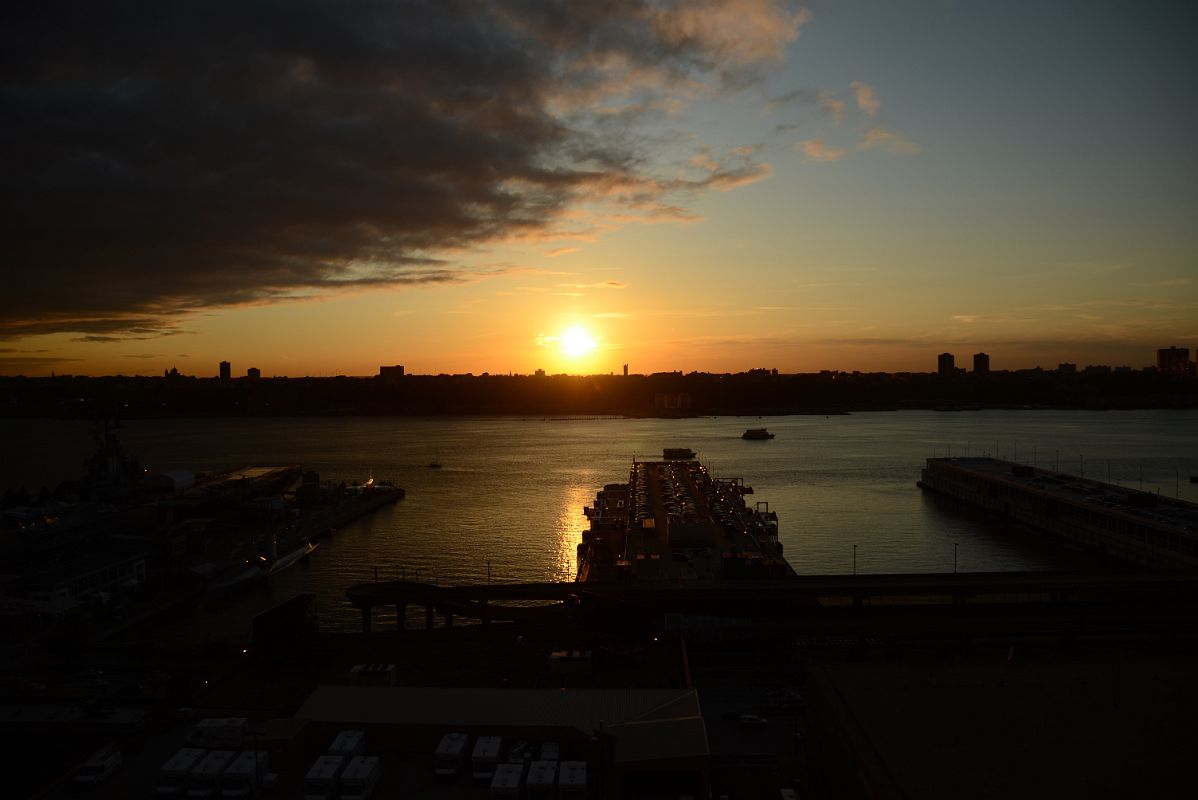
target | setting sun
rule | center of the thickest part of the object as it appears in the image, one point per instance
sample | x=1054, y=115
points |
x=576, y=342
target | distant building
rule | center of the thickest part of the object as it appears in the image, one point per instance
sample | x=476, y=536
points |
x=539, y=373
x=945, y=364
x=226, y=370
x=1175, y=361
x=671, y=401
x=625, y=370
x=981, y=363
x=391, y=373
x=1067, y=368
x=253, y=373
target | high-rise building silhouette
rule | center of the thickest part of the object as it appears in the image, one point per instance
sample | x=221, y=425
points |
x=981, y=363
x=253, y=373
x=946, y=364
x=226, y=370
x=391, y=373
x=1175, y=361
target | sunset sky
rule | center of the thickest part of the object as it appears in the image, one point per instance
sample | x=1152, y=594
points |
x=319, y=188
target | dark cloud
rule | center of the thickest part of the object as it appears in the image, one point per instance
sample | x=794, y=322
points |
x=161, y=158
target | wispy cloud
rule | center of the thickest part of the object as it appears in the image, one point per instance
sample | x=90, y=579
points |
x=823, y=99
x=560, y=251
x=816, y=151
x=879, y=138
x=597, y=285
x=866, y=97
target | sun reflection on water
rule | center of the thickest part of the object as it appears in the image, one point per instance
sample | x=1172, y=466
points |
x=570, y=524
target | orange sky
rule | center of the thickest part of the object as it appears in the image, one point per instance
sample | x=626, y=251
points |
x=709, y=186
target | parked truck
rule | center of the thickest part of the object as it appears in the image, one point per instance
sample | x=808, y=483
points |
x=359, y=778
x=172, y=776
x=203, y=782
x=245, y=775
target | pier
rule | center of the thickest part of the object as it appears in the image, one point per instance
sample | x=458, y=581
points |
x=1138, y=527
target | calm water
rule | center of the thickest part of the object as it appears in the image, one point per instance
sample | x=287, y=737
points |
x=508, y=500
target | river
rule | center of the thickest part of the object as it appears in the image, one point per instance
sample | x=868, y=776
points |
x=506, y=505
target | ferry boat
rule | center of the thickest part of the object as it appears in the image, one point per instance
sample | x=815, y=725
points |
x=674, y=522
x=757, y=434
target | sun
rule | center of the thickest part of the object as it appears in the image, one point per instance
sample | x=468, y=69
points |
x=576, y=342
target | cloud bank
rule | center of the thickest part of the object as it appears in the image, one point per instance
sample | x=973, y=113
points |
x=168, y=157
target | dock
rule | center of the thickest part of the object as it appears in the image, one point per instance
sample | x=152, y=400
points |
x=1142, y=528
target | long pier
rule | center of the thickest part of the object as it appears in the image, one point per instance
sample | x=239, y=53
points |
x=832, y=602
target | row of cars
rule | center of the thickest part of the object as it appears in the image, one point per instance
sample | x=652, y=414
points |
x=344, y=770
x=510, y=772
x=198, y=773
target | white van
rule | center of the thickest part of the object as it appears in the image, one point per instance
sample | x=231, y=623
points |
x=172, y=776
x=359, y=778
x=321, y=781
x=99, y=766
x=485, y=757
x=542, y=779
x=245, y=775
x=572, y=779
x=450, y=755
x=348, y=744
x=508, y=781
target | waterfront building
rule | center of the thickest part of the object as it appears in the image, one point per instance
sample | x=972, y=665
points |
x=253, y=373
x=226, y=370
x=945, y=364
x=981, y=363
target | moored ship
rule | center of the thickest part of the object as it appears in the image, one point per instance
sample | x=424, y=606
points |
x=757, y=434
x=674, y=522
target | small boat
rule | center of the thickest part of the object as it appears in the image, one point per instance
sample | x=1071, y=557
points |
x=287, y=559
x=681, y=453
x=757, y=434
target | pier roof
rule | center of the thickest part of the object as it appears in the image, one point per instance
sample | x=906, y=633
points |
x=1145, y=507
